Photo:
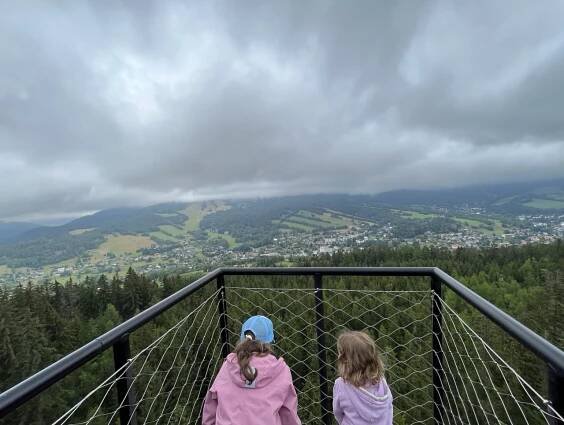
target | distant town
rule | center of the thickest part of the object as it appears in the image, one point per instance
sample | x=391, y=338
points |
x=288, y=246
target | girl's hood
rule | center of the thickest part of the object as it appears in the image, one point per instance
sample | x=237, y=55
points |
x=371, y=403
x=268, y=367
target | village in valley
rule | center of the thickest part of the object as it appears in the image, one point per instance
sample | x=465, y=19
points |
x=298, y=239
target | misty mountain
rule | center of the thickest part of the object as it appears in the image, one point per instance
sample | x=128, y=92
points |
x=12, y=231
x=47, y=245
x=511, y=198
x=256, y=221
x=116, y=220
x=515, y=198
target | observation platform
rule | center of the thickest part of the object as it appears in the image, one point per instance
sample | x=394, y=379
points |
x=451, y=356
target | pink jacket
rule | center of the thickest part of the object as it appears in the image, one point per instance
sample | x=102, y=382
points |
x=269, y=400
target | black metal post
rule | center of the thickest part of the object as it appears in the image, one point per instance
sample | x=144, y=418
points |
x=222, y=306
x=326, y=409
x=125, y=393
x=555, y=394
x=437, y=344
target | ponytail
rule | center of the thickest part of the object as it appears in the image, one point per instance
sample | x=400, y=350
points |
x=245, y=350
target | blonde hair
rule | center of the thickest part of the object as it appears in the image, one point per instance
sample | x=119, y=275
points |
x=359, y=361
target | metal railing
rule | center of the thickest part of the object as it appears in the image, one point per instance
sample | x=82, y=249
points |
x=118, y=337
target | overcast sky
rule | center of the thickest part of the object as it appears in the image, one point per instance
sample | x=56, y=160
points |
x=113, y=103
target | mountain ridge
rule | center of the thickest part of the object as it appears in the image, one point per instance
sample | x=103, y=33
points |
x=11, y=230
x=254, y=222
x=142, y=219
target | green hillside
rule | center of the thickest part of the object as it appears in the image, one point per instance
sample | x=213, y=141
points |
x=204, y=228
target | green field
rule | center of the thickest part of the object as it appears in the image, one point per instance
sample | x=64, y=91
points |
x=416, y=215
x=197, y=210
x=470, y=222
x=545, y=204
x=352, y=218
x=171, y=230
x=499, y=229
x=232, y=243
x=194, y=213
x=336, y=220
x=80, y=231
x=121, y=244
x=161, y=236
x=324, y=220
x=307, y=214
x=308, y=221
x=299, y=226
x=482, y=226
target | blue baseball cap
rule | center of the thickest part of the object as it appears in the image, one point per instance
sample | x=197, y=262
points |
x=261, y=327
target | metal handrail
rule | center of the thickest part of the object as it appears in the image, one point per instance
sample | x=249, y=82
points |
x=25, y=390
x=532, y=341
x=35, y=384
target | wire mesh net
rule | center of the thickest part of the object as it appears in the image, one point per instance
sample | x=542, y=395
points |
x=168, y=378
x=165, y=381
x=400, y=321
x=480, y=386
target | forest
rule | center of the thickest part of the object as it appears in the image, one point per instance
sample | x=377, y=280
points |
x=41, y=322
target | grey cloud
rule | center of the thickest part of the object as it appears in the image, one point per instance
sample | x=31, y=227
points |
x=500, y=78
x=123, y=103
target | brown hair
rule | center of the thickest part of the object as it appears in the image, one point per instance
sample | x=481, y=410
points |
x=359, y=361
x=245, y=350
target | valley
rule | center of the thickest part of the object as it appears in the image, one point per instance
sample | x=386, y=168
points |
x=199, y=236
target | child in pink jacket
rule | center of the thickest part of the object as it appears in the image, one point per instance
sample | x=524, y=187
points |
x=253, y=387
